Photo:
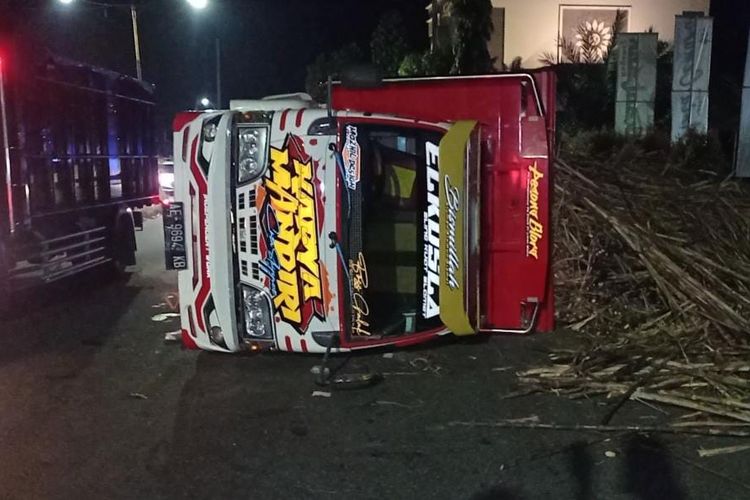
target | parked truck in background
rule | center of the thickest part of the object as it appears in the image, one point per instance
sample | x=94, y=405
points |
x=78, y=160
x=413, y=209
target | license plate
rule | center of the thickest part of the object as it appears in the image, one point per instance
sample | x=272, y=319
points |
x=174, y=237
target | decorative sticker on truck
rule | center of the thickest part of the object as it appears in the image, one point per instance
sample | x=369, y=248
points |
x=360, y=309
x=452, y=263
x=351, y=156
x=431, y=278
x=534, y=226
x=201, y=272
x=456, y=311
x=289, y=228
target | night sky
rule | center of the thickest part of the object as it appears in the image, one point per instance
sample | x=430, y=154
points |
x=266, y=44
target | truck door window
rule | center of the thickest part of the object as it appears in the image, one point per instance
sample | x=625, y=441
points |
x=387, y=229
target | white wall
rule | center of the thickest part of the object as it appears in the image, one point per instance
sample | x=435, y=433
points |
x=531, y=26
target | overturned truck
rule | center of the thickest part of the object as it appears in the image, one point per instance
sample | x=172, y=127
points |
x=405, y=211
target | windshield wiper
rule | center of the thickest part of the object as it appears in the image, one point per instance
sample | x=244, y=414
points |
x=335, y=244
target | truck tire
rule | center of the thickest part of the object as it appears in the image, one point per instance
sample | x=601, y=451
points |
x=123, y=245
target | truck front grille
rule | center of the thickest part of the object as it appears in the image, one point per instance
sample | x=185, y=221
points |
x=253, y=234
x=243, y=235
x=248, y=249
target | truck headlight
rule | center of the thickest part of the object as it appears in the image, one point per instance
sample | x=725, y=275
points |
x=252, y=143
x=257, y=313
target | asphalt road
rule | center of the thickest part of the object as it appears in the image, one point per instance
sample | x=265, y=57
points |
x=96, y=405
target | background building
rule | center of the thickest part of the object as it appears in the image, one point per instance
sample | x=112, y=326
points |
x=541, y=29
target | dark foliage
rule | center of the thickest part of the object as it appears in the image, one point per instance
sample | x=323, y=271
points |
x=429, y=63
x=332, y=64
x=585, y=97
x=472, y=29
x=388, y=44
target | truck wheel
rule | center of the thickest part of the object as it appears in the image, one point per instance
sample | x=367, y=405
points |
x=123, y=243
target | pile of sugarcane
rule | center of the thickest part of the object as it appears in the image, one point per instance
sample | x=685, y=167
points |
x=652, y=270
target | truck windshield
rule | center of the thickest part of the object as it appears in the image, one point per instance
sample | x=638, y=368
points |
x=392, y=238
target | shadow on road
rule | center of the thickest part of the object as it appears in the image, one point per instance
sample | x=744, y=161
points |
x=496, y=493
x=255, y=420
x=646, y=473
x=77, y=312
x=236, y=416
x=649, y=473
x=581, y=465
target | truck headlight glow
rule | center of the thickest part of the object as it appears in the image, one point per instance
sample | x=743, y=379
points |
x=166, y=180
x=252, y=143
x=257, y=313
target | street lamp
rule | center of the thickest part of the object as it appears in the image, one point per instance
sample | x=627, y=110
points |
x=205, y=102
x=198, y=4
x=136, y=42
x=195, y=4
x=134, y=20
